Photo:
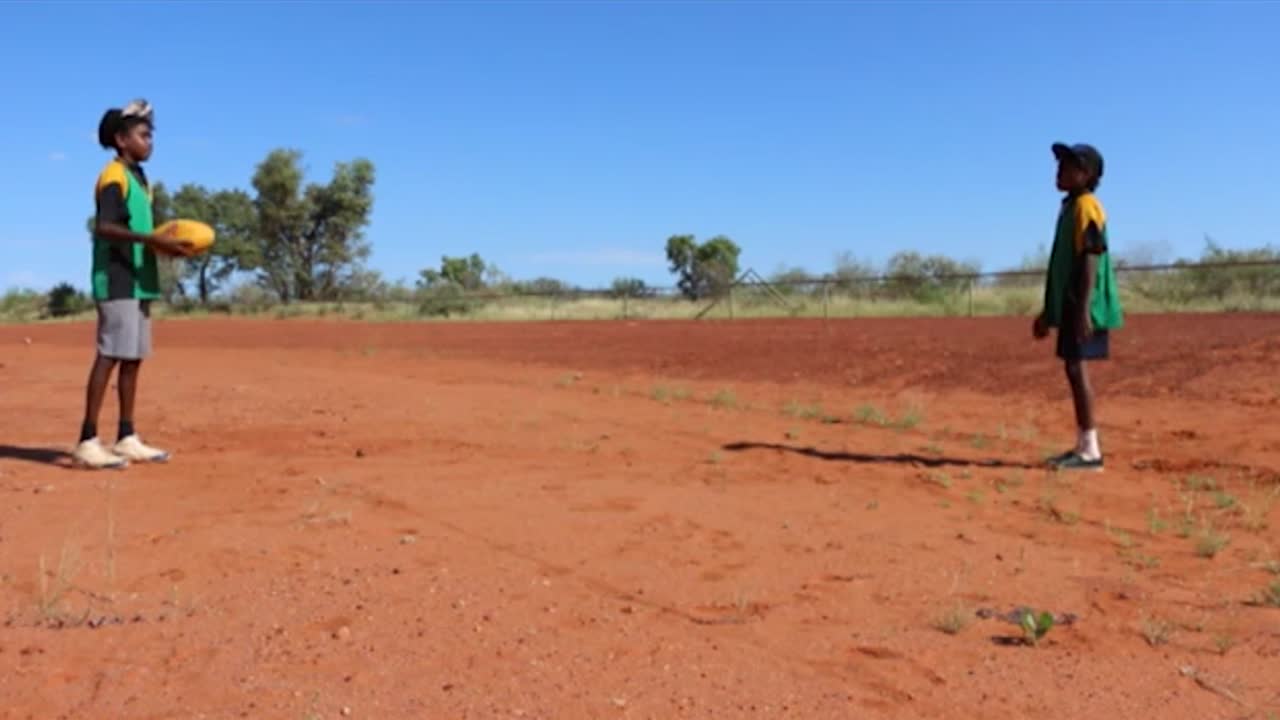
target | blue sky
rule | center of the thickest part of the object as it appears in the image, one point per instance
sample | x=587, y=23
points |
x=570, y=139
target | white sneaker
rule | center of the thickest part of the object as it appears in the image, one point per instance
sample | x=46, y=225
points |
x=133, y=449
x=91, y=454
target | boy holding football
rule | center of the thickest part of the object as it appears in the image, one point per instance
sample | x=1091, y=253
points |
x=125, y=280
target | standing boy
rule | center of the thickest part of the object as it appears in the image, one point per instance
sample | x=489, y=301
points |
x=125, y=281
x=1080, y=295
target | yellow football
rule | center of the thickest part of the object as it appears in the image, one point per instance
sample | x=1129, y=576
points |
x=199, y=234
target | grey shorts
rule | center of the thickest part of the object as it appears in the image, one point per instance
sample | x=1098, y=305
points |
x=124, y=329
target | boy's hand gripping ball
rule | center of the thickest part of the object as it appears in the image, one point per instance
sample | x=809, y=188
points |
x=198, y=234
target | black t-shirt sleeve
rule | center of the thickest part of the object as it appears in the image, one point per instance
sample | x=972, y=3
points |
x=111, y=207
x=1094, y=242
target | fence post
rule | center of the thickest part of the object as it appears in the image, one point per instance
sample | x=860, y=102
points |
x=731, y=302
x=826, y=293
x=625, y=295
x=972, y=280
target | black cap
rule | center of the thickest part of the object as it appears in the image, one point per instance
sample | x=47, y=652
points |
x=1086, y=156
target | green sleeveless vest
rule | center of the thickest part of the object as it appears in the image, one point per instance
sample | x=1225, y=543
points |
x=1105, y=309
x=138, y=259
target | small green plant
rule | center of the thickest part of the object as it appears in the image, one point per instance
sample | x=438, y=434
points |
x=979, y=442
x=940, y=478
x=1257, y=511
x=869, y=415
x=910, y=418
x=932, y=449
x=975, y=496
x=793, y=434
x=1223, y=642
x=1121, y=538
x=1210, y=542
x=873, y=505
x=1035, y=627
x=724, y=399
x=1223, y=500
x=661, y=394
x=1155, y=525
x=1156, y=631
x=1270, y=595
x=1049, y=504
x=953, y=621
x=54, y=591
x=1140, y=561
x=1187, y=525
x=804, y=412
x=1201, y=483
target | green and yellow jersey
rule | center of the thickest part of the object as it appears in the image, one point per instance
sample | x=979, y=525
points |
x=1081, y=230
x=123, y=271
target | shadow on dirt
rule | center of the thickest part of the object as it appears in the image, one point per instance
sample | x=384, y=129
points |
x=871, y=459
x=41, y=456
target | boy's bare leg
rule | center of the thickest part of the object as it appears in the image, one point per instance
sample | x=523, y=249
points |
x=90, y=452
x=129, y=370
x=99, y=377
x=1082, y=398
x=130, y=446
x=1081, y=394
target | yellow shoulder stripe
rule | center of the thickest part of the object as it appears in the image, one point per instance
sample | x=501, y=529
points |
x=1088, y=210
x=113, y=173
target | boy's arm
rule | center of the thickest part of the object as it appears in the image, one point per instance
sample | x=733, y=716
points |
x=112, y=219
x=1092, y=245
x=112, y=224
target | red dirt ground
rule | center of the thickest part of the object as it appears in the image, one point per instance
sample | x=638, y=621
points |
x=642, y=520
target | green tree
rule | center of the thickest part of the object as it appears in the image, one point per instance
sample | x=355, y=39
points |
x=364, y=285
x=629, y=287
x=232, y=216
x=65, y=300
x=927, y=277
x=543, y=286
x=853, y=276
x=467, y=273
x=703, y=270
x=795, y=281
x=1245, y=282
x=310, y=238
x=444, y=292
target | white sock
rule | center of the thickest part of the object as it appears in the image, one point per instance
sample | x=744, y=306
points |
x=1089, y=449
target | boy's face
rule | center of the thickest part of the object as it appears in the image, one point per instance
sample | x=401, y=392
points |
x=1071, y=177
x=135, y=143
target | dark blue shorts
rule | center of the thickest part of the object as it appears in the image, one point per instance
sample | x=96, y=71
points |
x=1095, y=347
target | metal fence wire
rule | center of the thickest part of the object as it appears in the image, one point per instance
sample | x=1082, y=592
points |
x=1199, y=287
